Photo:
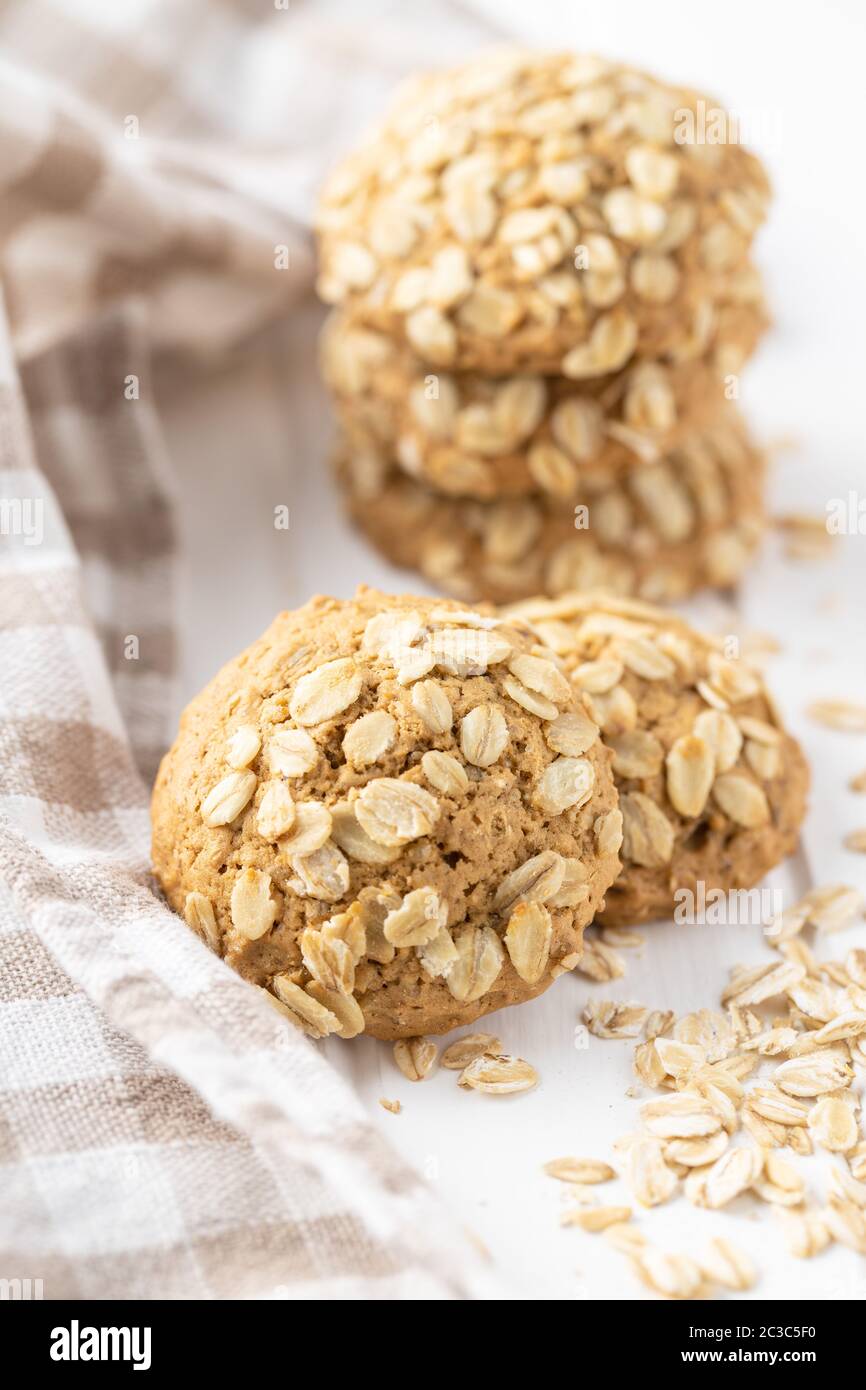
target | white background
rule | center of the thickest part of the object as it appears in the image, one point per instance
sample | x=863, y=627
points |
x=794, y=73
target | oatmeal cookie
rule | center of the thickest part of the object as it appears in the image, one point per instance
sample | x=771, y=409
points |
x=712, y=788
x=474, y=436
x=540, y=213
x=391, y=814
x=659, y=531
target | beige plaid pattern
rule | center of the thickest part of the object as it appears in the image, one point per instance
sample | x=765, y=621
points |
x=162, y=1132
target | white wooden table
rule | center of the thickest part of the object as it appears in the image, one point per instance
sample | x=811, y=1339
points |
x=236, y=465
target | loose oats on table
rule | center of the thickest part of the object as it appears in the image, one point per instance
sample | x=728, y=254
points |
x=499, y=1074
x=579, y=1170
x=781, y=1068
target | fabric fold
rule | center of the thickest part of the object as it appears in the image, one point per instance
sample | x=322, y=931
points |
x=162, y=1134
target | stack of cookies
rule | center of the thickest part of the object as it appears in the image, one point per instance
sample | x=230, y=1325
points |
x=540, y=267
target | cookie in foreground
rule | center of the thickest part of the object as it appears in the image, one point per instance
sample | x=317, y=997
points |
x=712, y=787
x=392, y=814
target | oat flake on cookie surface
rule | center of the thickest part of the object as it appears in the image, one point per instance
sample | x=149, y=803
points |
x=712, y=788
x=535, y=212
x=425, y=821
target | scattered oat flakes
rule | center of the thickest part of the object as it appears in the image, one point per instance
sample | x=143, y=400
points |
x=707, y=1029
x=843, y=1187
x=839, y=714
x=805, y=1232
x=833, y=1124
x=658, y=1023
x=648, y=1065
x=846, y=1224
x=625, y=1237
x=681, y=1116
x=499, y=1075
x=462, y=1051
x=619, y=938
x=606, y=1018
x=415, y=1057
x=803, y=522
x=697, y=1153
x=679, y=1059
x=834, y=907
x=674, y=1276
x=813, y=1075
x=579, y=1170
x=772, y=1043
x=723, y=1263
x=762, y=983
x=647, y=1174
x=595, y=1218
x=600, y=962
x=737, y=1170
x=857, y=1161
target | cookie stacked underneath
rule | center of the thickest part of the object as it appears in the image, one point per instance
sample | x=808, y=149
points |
x=544, y=296
x=712, y=789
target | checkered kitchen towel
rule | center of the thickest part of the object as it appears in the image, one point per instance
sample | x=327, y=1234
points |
x=161, y=1134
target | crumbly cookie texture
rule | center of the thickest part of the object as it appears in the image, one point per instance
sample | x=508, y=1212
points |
x=392, y=814
x=475, y=436
x=659, y=531
x=711, y=786
x=540, y=213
